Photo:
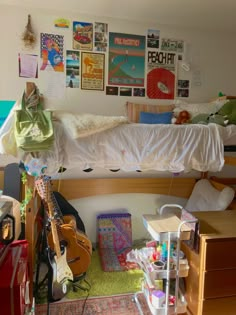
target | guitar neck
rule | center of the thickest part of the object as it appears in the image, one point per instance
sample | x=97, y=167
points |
x=54, y=230
x=45, y=191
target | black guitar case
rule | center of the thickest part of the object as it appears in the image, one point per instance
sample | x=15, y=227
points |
x=67, y=209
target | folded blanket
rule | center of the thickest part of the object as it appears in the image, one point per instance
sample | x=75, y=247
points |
x=83, y=125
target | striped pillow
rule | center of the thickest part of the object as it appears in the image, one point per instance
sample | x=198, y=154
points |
x=133, y=110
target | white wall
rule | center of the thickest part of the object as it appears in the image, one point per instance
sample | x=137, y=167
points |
x=135, y=204
x=210, y=53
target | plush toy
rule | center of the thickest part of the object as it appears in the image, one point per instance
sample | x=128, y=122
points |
x=182, y=118
x=218, y=119
x=228, y=111
x=205, y=119
x=200, y=119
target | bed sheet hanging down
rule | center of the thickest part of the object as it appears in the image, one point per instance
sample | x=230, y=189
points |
x=132, y=147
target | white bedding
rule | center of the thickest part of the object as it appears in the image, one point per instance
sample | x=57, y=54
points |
x=132, y=147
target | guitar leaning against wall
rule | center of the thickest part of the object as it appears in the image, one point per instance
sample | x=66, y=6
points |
x=60, y=274
x=78, y=246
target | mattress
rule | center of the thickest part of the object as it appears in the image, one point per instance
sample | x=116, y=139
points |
x=132, y=147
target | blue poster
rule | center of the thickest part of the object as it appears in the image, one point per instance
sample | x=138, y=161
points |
x=126, y=59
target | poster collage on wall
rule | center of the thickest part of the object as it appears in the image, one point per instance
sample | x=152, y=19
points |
x=137, y=65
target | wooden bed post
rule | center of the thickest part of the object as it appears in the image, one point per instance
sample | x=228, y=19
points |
x=30, y=234
x=30, y=86
x=30, y=216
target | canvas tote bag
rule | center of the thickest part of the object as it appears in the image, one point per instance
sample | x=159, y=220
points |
x=33, y=128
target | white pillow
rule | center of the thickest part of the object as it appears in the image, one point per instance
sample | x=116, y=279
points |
x=205, y=197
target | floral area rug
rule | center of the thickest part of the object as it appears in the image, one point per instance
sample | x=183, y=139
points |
x=112, y=305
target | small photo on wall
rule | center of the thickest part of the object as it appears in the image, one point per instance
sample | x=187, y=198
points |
x=101, y=36
x=153, y=37
x=125, y=91
x=183, y=84
x=62, y=23
x=139, y=92
x=82, y=36
x=183, y=92
x=111, y=90
x=72, y=68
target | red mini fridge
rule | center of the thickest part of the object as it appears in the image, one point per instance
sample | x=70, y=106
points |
x=14, y=285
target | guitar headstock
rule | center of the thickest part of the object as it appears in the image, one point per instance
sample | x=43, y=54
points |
x=43, y=187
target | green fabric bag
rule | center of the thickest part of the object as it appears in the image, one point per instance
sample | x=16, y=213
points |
x=33, y=128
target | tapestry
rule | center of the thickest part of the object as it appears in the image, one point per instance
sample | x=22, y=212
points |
x=115, y=241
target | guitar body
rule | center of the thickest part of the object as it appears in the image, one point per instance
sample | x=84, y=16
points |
x=59, y=276
x=78, y=256
x=81, y=236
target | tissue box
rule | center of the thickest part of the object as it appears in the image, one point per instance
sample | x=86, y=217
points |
x=158, y=298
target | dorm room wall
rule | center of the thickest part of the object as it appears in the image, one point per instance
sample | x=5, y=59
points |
x=210, y=53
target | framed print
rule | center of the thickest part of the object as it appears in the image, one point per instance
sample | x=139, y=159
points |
x=92, y=71
x=82, y=36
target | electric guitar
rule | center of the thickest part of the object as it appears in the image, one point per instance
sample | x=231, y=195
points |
x=78, y=246
x=60, y=273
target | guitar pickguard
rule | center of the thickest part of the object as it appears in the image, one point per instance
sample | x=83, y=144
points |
x=60, y=277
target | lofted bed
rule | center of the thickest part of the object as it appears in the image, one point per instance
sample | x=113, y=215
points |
x=86, y=141
x=125, y=146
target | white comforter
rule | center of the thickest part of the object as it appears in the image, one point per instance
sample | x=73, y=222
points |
x=131, y=147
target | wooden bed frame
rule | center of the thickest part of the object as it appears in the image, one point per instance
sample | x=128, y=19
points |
x=79, y=188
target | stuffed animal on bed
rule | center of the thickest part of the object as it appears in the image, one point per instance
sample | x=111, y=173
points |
x=182, y=118
x=205, y=119
x=228, y=110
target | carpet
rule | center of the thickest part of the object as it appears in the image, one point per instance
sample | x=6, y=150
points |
x=107, y=305
x=108, y=283
x=102, y=283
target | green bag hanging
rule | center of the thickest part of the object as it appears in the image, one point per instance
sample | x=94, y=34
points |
x=33, y=128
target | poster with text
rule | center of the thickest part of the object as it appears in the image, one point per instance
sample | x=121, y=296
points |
x=126, y=59
x=92, y=71
x=52, y=52
x=82, y=35
x=72, y=68
x=161, y=75
x=174, y=45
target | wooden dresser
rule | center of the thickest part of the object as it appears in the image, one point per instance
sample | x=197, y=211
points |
x=211, y=284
